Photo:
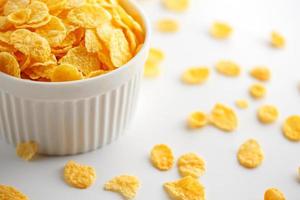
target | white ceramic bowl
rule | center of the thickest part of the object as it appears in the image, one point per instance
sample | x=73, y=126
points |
x=73, y=117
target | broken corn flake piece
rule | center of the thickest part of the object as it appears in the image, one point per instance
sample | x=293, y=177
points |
x=125, y=185
x=11, y=193
x=162, y=157
x=223, y=117
x=27, y=150
x=9, y=64
x=186, y=188
x=176, y=5
x=220, y=30
x=191, y=164
x=267, y=114
x=228, y=68
x=273, y=194
x=242, y=103
x=277, y=40
x=197, y=120
x=291, y=128
x=257, y=91
x=250, y=154
x=196, y=75
x=261, y=73
x=167, y=25
x=79, y=176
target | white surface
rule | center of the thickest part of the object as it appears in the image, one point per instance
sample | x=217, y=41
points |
x=165, y=103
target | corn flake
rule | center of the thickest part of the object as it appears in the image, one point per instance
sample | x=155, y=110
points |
x=176, y=5
x=167, y=25
x=19, y=17
x=162, y=157
x=223, y=117
x=197, y=120
x=191, y=164
x=14, y=5
x=155, y=57
x=261, y=73
x=277, y=40
x=250, y=154
x=242, y=103
x=9, y=64
x=195, y=75
x=126, y=185
x=27, y=150
x=39, y=11
x=228, y=68
x=273, y=194
x=257, y=91
x=267, y=114
x=66, y=72
x=220, y=30
x=79, y=176
x=11, y=193
x=186, y=188
x=92, y=42
x=291, y=128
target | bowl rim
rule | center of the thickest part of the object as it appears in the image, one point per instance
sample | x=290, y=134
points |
x=146, y=24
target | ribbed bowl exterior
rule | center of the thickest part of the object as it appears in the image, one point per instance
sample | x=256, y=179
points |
x=71, y=126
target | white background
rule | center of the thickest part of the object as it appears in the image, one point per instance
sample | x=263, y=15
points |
x=165, y=103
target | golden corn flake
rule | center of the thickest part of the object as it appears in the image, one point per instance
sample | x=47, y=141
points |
x=92, y=42
x=291, y=128
x=220, y=30
x=273, y=194
x=162, y=157
x=19, y=17
x=186, y=188
x=191, y=164
x=197, y=120
x=31, y=44
x=242, y=103
x=11, y=193
x=167, y=25
x=267, y=114
x=250, y=154
x=14, y=5
x=9, y=64
x=79, y=176
x=27, y=150
x=257, y=91
x=151, y=70
x=261, y=73
x=89, y=16
x=195, y=75
x=96, y=73
x=176, y=5
x=66, y=72
x=155, y=57
x=277, y=40
x=228, y=68
x=125, y=185
x=224, y=117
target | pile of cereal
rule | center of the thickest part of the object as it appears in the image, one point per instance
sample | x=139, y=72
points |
x=50, y=40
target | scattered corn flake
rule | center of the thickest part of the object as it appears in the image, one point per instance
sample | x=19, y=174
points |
x=291, y=128
x=167, y=25
x=267, y=114
x=196, y=75
x=228, y=68
x=79, y=176
x=273, y=194
x=11, y=193
x=277, y=40
x=156, y=56
x=176, y=5
x=257, y=91
x=250, y=154
x=220, y=30
x=242, y=103
x=27, y=150
x=261, y=73
x=191, y=164
x=125, y=185
x=31, y=44
x=223, y=117
x=9, y=64
x=186, y=188
x=197, y=120
x=66, y=72
x=162, y=157
x=151, y=70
